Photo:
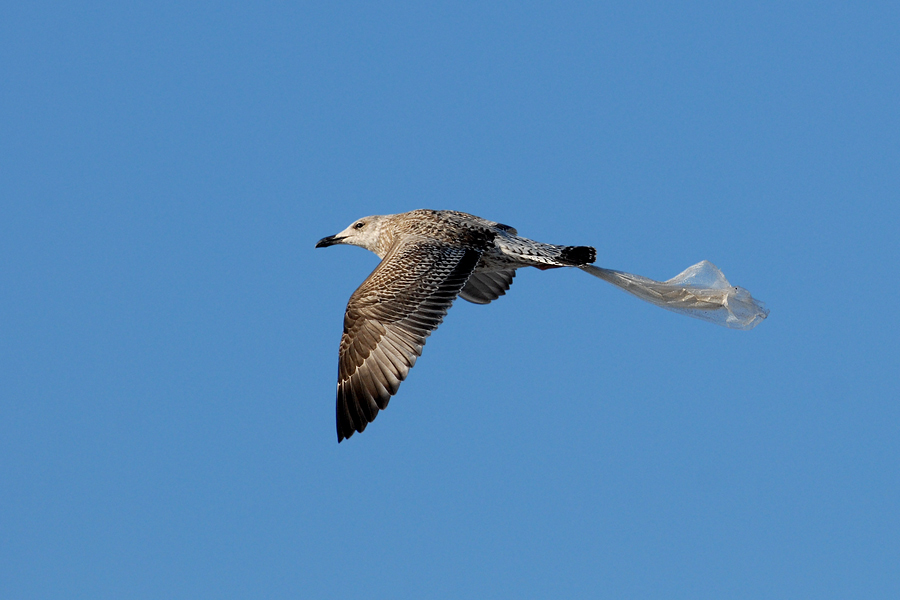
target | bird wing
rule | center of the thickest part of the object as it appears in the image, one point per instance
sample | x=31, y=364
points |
x=387, y=320
x=486, y=286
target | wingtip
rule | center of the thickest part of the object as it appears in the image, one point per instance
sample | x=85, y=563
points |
x=344, y=431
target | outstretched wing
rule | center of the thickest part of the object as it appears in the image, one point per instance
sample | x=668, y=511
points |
x=386, y=323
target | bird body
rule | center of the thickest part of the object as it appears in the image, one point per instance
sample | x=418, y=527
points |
x=429, y=257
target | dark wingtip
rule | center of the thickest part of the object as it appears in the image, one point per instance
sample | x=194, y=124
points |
x=344, y=433
x=578, y=255
x=343, y=421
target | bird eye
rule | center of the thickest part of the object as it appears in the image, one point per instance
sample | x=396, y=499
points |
x=359, y=225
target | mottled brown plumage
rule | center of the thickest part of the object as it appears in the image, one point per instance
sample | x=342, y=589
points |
x=428, y=259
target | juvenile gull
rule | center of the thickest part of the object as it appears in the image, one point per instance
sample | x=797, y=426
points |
x=429, y=257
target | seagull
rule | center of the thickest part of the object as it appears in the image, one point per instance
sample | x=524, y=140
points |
x=428, y=258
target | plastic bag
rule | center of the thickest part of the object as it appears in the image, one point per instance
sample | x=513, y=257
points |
x=700, y=291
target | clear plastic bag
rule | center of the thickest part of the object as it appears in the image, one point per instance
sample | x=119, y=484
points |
x=700, y=291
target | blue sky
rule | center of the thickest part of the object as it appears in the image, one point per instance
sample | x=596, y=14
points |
x=168, y=344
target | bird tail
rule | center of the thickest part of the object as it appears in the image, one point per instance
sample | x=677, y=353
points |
x=576, y=256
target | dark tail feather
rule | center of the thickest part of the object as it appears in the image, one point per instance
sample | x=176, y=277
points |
x=578, y=255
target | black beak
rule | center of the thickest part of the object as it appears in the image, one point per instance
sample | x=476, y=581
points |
x=331, y=240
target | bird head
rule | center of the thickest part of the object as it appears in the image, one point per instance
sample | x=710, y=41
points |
x=365, y=233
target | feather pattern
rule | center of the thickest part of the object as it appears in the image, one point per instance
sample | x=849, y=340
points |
x=387, y=321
